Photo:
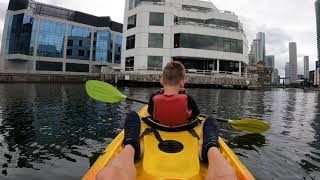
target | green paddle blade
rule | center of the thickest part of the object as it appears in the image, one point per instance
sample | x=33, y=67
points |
x=103, y=92
x=254, y=126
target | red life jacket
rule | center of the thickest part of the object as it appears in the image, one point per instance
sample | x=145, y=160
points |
x=171, y=110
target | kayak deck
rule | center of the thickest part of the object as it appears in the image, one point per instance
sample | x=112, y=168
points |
x=156, y=164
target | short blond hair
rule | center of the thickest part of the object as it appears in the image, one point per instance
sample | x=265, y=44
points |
x=173, y=73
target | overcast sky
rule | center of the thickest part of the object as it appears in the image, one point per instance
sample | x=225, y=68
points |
x=282, y=20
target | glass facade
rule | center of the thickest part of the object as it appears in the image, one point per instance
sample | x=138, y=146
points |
x=155, y=63
x=156, y=19
x=195, y=41
x=48, y=66
x=72, y=67
x=117, y=46
x=155, y=40
x=51, y=39
x=217, y=22
x=21, y=35
x=81, y=41
x=102, y=46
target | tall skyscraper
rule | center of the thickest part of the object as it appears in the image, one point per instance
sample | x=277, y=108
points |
x=317, y=6
x=287, y=74
x=262, y=37
x=275, y=76
x=270, y=61
x=306, y=67
x=317, y=74
x=256, y=50
x=293, y=62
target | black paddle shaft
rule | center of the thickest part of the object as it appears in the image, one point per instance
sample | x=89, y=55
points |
x=135, y=100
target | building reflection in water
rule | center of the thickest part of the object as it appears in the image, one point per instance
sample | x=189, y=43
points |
x=42, y=122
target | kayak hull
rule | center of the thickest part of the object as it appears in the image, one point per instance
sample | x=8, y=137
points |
x=159, y=165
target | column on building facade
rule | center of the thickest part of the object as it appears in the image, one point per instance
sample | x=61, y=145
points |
x=218, y=66
x=4, y=42
x=113, y=39
x=240, y=70
x=36, y=45
x=91, y=51
x=65, y=47
x=246, y=71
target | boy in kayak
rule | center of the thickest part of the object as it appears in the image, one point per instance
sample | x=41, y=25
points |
x=170, y=107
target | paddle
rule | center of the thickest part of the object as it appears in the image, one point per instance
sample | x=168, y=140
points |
x=105, y=92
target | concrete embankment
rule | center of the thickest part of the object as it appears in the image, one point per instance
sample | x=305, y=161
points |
x=43, y=78
x=192, y=80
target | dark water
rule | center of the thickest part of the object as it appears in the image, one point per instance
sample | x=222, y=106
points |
x=51, y=131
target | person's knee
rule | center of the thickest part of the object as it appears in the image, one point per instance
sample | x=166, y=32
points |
x=104, y=174
x=133, y=115
x=110, y=172
x=214, y=122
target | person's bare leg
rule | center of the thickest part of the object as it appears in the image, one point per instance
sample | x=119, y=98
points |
x=219, y=167
x=121, y=167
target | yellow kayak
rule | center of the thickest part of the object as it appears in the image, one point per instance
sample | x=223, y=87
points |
x=158, y=165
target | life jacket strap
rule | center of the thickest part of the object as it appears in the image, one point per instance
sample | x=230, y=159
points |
x=154, y=131
x=194, y=133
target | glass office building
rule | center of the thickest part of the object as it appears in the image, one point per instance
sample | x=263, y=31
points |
x=41, y=38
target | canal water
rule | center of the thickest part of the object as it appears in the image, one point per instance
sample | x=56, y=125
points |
x=54, y=131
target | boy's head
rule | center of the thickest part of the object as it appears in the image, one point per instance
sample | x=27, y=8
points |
x=173, y=74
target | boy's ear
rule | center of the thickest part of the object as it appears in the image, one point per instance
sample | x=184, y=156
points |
x=161, y=81
x=181, y=83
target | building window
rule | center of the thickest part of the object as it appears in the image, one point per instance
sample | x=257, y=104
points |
x=72, y=67
x=69, y=52
x=131, y=40
x=117, y=44
x=129, y=64
x=102, y=47
x=216, y=22
x=83, y=37
x=81, y=53
x=70, y=42
x=21, y=35
x=155, y=40
x=132, y=20
x=195, y=41
x=155, y=63
x=48, y=66
x=156, y=19
x=51, y=39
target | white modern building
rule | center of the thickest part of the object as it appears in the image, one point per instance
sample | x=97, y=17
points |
x=193, y=32
x=306, y=67
x=45, y=39
x=293, y=67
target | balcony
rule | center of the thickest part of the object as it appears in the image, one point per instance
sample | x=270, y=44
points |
x=209, y=26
